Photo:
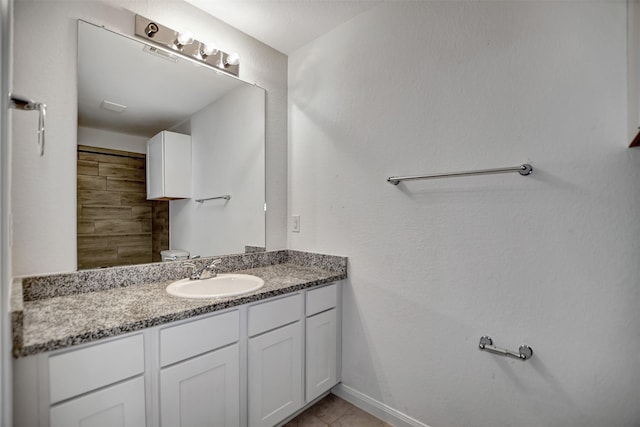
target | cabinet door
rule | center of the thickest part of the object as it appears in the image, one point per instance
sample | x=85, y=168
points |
x=169, y=166
x=155, y=167
x=204, y=391
x=275, y=375
x=177, y=165
x=115, y=406
x=322, y=357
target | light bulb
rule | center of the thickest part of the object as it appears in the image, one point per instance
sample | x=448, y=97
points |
x=208, y=49
x=233, y=59
x=184, y=38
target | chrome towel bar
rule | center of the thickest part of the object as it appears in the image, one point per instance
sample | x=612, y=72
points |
x=524, y=352
x=226, y=197
x=523, y=170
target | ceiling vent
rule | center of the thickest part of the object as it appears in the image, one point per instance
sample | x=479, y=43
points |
x=112, y=106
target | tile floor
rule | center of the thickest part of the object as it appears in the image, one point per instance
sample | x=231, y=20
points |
x=335, y=412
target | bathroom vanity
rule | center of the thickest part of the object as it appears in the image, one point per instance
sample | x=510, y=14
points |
x=133, y=355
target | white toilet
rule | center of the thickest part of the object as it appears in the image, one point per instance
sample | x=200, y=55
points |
x=174, y=255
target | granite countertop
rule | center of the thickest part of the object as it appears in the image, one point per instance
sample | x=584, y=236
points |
x=61, y=321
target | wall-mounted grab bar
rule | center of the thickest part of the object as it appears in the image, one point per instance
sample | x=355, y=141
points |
x=25, y=104
x=524, y=352
x=523, y=170
x=226, y=197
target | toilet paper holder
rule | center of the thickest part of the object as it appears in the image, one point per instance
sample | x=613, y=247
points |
x=524, y=351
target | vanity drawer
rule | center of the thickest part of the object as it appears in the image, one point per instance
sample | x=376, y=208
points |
x=79, y=371
x=193, y=338
x=322, y=299
x=121, y=404
x=270, y=315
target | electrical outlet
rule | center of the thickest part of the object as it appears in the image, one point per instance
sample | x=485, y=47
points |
x=295, y=224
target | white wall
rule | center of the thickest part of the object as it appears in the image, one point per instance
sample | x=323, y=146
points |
x=6, y=338
x=44, y=197
x=227, y=148
x=549, y=260
x=113, y=140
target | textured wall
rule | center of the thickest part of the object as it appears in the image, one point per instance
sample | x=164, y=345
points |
x=549, y=260
x=227, y=144
x=43, y=189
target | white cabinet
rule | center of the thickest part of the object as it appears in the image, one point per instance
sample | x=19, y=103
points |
x=200, y=372
x=203, y=391
x=322, y=339
x=74, y=372
x=100, y=384
x=121, y=405
x=256, y=364
x=275, y=358
x=169, y=166
x=180, y=342
x=322, y=335
x=321, y=299
x=275, y=375
x=273, y=314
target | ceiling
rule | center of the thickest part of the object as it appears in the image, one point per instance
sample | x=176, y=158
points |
x=285, y=25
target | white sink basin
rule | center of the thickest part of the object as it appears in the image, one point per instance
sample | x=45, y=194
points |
x=223, y=285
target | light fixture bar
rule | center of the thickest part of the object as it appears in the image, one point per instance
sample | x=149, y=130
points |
x=173, y=40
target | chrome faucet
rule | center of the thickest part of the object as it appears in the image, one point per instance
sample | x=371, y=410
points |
x=197, y=275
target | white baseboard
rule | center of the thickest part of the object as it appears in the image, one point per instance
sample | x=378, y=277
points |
x=375, y=408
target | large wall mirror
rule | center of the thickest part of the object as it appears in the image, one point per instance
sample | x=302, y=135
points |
x=129, y=91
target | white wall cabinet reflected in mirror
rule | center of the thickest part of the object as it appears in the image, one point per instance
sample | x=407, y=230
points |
x=168, y=166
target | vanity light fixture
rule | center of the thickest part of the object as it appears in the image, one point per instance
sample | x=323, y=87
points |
x=184, y=43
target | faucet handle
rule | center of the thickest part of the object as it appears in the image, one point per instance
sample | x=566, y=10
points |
x=211, y=268
x=194, y=274
x=213, y=263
